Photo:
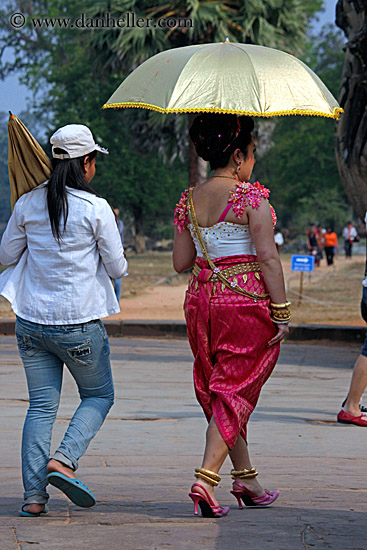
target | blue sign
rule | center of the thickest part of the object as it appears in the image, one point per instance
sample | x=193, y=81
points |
x=302, y=263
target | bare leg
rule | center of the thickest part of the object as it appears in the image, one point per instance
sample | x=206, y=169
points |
x=215, y=454
x=240, y=458
x=357, y=386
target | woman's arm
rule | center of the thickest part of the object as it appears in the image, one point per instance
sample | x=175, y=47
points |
x=14, y=240
x=109, y=242
x=261, y=227
x=184, y=251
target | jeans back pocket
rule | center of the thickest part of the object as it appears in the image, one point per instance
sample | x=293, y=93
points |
x=26, y=345
x=82, y=353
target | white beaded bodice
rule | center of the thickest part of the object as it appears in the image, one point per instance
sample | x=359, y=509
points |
x=224, y=239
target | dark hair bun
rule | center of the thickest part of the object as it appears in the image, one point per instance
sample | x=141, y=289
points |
x=216, y=135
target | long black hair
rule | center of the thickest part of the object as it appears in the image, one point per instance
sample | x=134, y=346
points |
x=68, y=172
x=216, y=136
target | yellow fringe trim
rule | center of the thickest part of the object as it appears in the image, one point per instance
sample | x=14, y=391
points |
x=336, y=112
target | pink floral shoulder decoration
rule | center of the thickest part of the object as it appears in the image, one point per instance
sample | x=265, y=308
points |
x=181, y=217
x=249, y=194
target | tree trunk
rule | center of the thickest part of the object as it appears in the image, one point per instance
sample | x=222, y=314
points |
x=351, y=129
x=193, y=158
x=139, y=231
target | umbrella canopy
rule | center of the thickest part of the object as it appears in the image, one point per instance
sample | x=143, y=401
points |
x=226, y=78
x=28, y=164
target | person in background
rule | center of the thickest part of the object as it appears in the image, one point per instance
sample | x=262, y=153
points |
x=120, y=227
x=278, y=238
x=312, y=245
x=319, y=238
x=330, y=241
x=349, y=235
x=63, y=246
x=352, y=412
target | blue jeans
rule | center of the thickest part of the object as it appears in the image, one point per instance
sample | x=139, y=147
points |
x=85, y=350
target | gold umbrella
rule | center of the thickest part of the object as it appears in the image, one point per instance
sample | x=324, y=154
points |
x=226, y=78
x=28, y=164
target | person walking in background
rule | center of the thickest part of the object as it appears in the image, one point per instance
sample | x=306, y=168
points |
x=120, y=226
x=278, y=238
x=349, y=235
x=312, y=244
x=63, y=246
x=352, y=411
x=319, y=238
x=330, y=245
x=224, y=230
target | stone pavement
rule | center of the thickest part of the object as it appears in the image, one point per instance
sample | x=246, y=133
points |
x=141, y=462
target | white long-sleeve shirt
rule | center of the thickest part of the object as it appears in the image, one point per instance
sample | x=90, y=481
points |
x=64, y=284
x=349, y=233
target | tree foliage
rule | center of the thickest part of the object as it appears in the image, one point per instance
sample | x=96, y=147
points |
x=73, y=72
x=137, y=182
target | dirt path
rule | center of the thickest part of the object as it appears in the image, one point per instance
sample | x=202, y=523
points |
x=160, y=302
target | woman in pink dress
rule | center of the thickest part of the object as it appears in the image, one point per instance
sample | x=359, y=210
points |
x=235, y=307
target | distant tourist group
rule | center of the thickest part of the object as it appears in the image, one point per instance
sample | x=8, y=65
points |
x=64, y=247
x=320, y=239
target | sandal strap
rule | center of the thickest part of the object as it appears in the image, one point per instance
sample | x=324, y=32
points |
x=207, y=496
x=244, y=474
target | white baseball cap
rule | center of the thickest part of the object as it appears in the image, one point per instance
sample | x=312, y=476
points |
x=76, y=139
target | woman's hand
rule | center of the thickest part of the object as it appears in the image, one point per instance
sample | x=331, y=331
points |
x=283, y=331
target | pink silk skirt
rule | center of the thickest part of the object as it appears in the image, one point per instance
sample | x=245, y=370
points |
x=228, y=335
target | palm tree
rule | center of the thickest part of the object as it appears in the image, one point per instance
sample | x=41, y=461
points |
x=350, y=138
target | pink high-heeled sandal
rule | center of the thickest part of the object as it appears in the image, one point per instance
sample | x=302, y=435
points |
x=207, y=506
x=243, y=494
x=240, y=492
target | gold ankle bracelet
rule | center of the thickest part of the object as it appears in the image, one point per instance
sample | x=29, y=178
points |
x=244, y=474
x=207, y=475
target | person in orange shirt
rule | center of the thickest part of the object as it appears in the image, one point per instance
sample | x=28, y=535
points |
x=330, y=245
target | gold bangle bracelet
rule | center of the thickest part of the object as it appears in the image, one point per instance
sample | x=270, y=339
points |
x=210, y=480
x=280, y=317
x=280, y=306
x=209, y=473
x=244, y=474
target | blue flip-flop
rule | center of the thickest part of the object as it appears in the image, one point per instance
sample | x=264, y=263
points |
x=25, y=514
x=74, y=489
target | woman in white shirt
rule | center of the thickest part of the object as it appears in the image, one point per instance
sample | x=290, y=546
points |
x=235, y=307
x=63, y=247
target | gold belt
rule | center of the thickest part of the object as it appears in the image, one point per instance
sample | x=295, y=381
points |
x=232, y=270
